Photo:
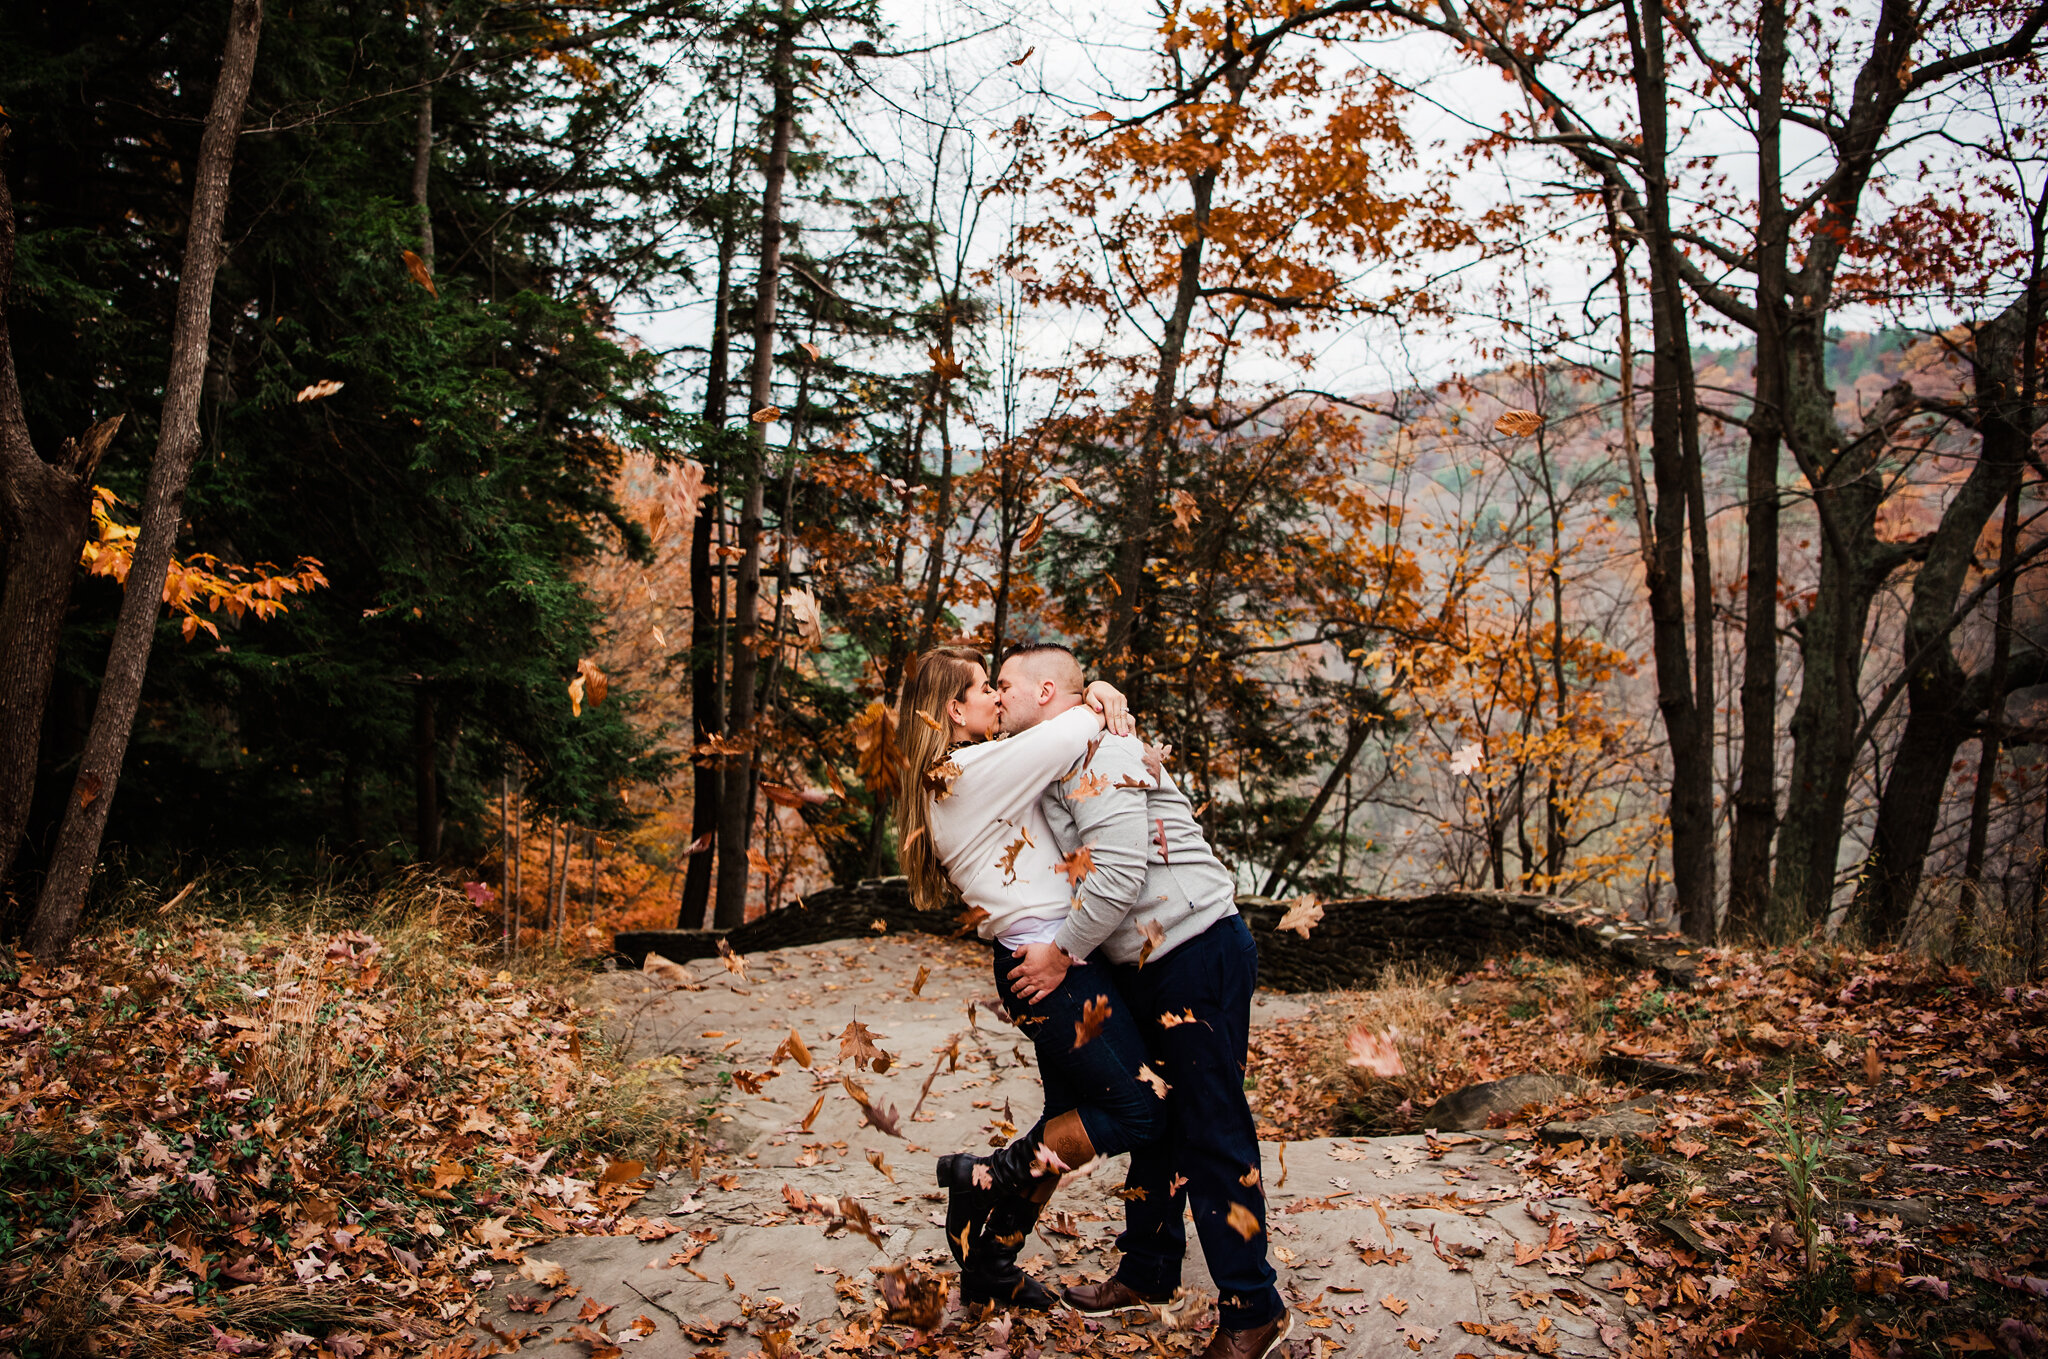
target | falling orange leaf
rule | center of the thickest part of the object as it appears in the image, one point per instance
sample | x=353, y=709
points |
x=1155, y=935
x=1375, y=1052
x=1032, y=533
x=1007, y=860
x=1303, y=914
x=421, y=275
x=1094, y=1015
x=1518, y=422
x=1078, y=865
x=1243, y=1221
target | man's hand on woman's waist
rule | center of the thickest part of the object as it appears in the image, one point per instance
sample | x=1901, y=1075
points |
x=1040, y=974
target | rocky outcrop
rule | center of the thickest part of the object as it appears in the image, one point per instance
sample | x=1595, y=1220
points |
x=1474, y=1106
x=873, y=906
x=1349, y=947
x=1356, y=939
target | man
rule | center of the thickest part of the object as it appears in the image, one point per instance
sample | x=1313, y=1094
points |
x=1158, y=911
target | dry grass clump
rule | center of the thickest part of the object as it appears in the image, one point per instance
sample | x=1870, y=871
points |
x=1406, y=1009
x=1530, y=1016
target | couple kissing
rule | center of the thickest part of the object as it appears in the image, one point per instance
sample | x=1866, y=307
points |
x=1128, y=966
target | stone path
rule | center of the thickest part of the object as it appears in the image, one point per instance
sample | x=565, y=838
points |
x=1379, y=1242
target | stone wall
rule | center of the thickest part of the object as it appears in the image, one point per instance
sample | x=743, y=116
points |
x=1350, y=946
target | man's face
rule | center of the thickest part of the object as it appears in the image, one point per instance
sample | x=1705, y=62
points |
x=1017, y=705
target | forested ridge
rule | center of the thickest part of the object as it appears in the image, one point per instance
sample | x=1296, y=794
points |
x=493, y=393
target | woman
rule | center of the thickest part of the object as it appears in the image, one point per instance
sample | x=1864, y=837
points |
x=969, y=825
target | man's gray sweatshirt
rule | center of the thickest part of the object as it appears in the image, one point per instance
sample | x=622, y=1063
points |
x=1150, y=860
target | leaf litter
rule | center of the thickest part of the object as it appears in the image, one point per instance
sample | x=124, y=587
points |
x=1929, y=1231
x=218, y=1136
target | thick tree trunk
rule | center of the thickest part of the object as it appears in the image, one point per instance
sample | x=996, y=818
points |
x=1853, y=565
x=1943, y=700
x=1684, y=691
x=736, y=796
x=45, y=516
x=1909, y=812
x=85, y=814
x=1756, y=797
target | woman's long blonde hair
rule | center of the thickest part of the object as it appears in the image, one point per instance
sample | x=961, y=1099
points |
x=923, y=731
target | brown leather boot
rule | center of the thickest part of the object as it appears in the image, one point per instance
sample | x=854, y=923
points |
x=1256, y=1343
x=1110, y=1297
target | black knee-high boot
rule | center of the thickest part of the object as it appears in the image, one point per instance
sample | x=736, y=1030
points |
x=990, y=1272
x=986, y=1223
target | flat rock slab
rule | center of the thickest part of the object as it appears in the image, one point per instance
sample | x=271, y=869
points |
x=1630, y=1125
x=1376, y=1240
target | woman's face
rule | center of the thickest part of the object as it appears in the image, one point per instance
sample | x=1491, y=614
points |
x=974, y=714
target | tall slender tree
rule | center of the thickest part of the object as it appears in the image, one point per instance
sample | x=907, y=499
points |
x=99, y=769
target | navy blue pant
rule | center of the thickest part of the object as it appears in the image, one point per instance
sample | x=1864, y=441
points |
x=1210, y=1137
x=1098, y=1079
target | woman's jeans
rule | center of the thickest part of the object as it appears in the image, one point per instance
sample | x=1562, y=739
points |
x=1098, y=1079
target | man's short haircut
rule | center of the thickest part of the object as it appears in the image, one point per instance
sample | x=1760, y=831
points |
x=1050, y=660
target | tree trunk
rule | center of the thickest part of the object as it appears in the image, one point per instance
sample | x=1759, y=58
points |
x=1140, y=492
x=45, y=516
x=1853, y=565
x=1756, y=797
x=1942, y=699
x=423, y=132
x=547, y=891
x=736, y=797
x=942, y=509
x=706, y=716
x=2008, y=546
x=1991, y=737
x=560, y=909
x=1683, y=683
x=505, y=862
x=426, y=789
x=515, y=883
x=85, y=814
x=1292, y=851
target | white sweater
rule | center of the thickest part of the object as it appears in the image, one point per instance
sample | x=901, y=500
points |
x=990, y=832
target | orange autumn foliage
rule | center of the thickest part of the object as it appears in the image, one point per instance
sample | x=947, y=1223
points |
x=201, y=579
